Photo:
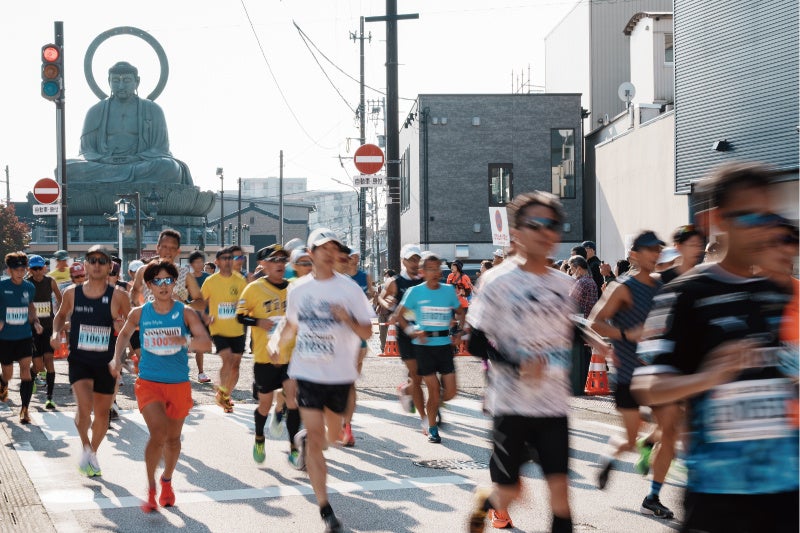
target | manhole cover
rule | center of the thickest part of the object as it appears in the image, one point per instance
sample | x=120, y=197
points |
x=451, y=464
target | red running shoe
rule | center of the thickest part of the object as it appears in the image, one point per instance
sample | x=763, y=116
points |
x=167, y=497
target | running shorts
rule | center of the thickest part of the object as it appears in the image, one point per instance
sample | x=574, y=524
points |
x=41, y=343
x=97, y=371
x=516, y=437
x=176, y=397
x=269, y=377
x=321, y=395
x=235, y=344
x=623, y=397
x=14, y=350
x=433, y=359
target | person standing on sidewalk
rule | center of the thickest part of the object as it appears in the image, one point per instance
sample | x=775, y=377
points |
x=94, y=310
x=327, y=316
x=163, y=390
x=521, y=322
x=17, y=315
x=46, y=289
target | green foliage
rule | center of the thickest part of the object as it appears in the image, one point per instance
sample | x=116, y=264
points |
x=14, y=235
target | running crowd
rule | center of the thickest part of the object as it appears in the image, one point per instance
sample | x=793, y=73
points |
x=705, y=338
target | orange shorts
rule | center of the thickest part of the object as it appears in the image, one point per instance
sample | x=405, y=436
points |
x=176, y=397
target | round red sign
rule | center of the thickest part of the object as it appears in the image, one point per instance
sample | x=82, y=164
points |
x=46, y=191
x=368, y=159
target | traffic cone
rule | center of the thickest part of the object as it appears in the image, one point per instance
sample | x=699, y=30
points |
x=597, y=378
x=390, y=347
x=62, y=352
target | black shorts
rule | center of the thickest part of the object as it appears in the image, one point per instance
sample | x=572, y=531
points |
x=41, y=343
x=236, y=344
x=516, y=437
x=321, y=395
x=740, y=513
x=404, y=346
x=433, y=359
x=623, y=397
x=14, y=350
x=269, y=377
x=97, y=371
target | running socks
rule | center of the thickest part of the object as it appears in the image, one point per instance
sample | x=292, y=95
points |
x=50, y=377
x=562, y=525
x=261, y=420
x=25, y=392
x=325, y=510
x=655, y=488
x=292, y=423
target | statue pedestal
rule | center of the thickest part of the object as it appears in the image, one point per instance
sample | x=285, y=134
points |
x=97, y=199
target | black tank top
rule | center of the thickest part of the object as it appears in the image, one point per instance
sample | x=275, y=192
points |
x=403, y=284
x=43, y=301
x=91, y=334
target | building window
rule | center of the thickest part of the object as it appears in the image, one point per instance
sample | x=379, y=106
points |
x=669, y=50
x=252, y=220
x=405, y=181
x=562, y=162
x=501, y=178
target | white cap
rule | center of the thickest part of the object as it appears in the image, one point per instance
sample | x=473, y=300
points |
x=499, y=253
x=321, y=236
x=667, y=255
x=133, y=266
x=410, y=250
x=297, y=253
x=293, y=244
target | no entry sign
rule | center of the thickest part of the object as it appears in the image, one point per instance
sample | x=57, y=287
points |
x=46, y=191
x=369, y=159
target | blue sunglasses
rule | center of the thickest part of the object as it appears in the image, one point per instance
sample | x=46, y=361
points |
x=158, y=282
x=749, y=220
x=540, y=223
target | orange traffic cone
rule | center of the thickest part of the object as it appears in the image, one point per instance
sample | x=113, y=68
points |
x=62, y=352
x=597, y=378
x=390, y=347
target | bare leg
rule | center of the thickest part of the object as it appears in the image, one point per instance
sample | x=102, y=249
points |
x=102, y=404
x=432, y=383
x=314, y=423
x=415, y=387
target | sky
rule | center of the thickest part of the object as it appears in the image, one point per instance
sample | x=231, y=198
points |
x=243, y=81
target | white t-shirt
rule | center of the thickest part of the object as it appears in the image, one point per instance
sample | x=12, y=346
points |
x=524, y=315
x=326, y=351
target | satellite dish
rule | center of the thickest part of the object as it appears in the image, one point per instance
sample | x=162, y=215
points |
x=626, y=91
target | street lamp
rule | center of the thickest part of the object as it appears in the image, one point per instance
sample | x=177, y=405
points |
x=122, y=210
x=137, y=205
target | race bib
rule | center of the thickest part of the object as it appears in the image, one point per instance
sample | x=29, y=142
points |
x=316, y=346
x=42, y=309
x=226, y=310
x=437, y=317
x=161, y=341
x=16, y=316
x=94, y=338
x=749, y=410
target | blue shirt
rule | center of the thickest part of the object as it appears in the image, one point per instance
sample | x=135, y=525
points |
x=14, y=300
x=434, y=310
x=163, y=361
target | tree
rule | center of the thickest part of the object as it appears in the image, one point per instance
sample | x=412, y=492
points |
x=14, y=235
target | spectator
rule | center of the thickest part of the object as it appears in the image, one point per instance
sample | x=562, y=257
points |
x=461, y=281
x=594, y=264
x=210, y=267
x=584, y=291
x=497, y=257
x=578, y=250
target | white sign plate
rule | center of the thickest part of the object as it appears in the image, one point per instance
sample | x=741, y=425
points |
x=369, y=180
x=46, y=209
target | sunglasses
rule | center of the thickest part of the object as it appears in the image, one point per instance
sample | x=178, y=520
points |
x=540, y=223
x=304, y=264
x=98, y=260
x=238, y=258
x=159, y=282
x=750, y=220
x=278, y=260
x=36, y=268
x=787, y=240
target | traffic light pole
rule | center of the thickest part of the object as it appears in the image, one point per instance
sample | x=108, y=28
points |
x=61, y=168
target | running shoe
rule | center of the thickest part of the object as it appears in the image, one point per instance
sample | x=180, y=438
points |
x=346, y=436
x=275, y=426
x=293, y=458
x=94, y=465
x=332, y=524
x=500, y=519
x=40, y=379
x=300, y=444
x=258, y=451
x=83, y=466
x=282, y=413
x=33, y=387
x=113, y=413
x=49, y=405
x=167, y=496
x=477, y=519
x=24, y=417
x=642, y=465
x=150, y=505
x=433, y=435
x=406, y=401
x=424, y=425
x=223, y=401
x=652, y=506
x=602, y=477
x=203, y=378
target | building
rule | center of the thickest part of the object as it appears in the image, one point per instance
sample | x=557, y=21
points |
x=270, y=187
x=461, y=154
x=588, y=53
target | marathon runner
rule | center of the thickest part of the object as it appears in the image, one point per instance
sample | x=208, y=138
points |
x=46, y=291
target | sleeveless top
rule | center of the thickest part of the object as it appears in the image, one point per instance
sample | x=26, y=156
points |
x=403, y=284
x=163, y=360
x=642, y=296
x=91, y=336
x=360, y=277
x=43, y=301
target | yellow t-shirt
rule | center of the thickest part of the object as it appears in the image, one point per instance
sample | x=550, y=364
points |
x=262, y=299
x=222, y=294
x=60, y=277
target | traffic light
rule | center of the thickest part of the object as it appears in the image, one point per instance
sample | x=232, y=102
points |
x=52, y=72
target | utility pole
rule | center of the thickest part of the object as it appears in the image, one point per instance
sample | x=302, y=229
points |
x=280, y=202
x=392, y=132
x=61, y=169
x=239, y=216
x=221, y=175
x=362, y=200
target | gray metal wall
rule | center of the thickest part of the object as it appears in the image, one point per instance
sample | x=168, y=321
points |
x=736, y=78
x=513, y=128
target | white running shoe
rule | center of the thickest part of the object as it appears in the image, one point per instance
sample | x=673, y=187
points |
x=300, y=444
x=94, y=465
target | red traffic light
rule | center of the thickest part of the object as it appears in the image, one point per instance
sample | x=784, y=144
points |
x=50, y=53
